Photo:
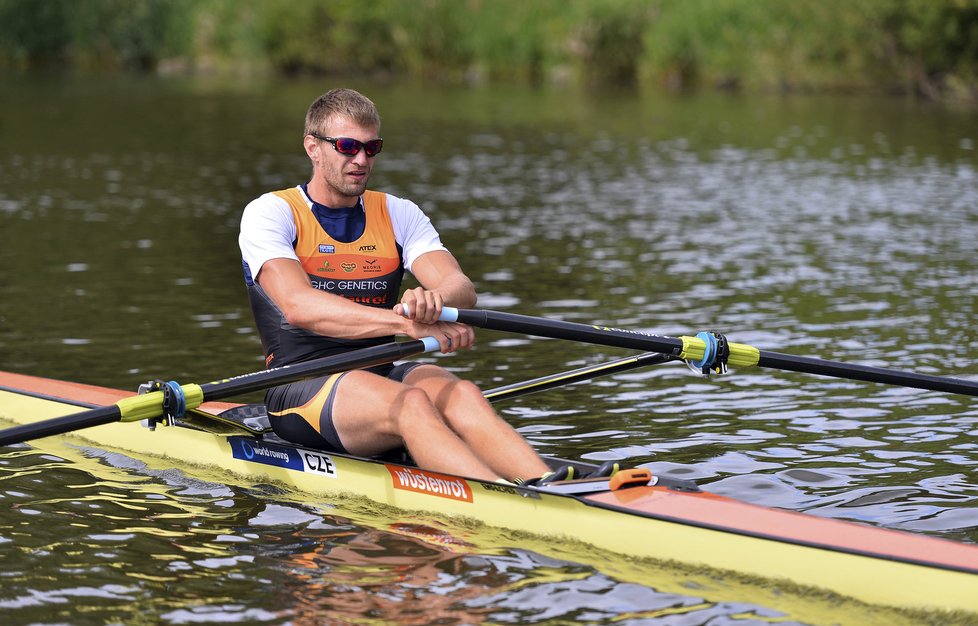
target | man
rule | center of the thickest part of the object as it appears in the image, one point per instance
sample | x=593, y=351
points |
x=323, y=262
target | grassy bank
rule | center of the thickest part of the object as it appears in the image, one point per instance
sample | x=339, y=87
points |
x=924, y=47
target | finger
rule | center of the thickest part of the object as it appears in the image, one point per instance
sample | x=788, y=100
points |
x=409, y=305
x=432, y=307
x=436, y=302
x=417, y=304
x=458, y=336
x=466, y=336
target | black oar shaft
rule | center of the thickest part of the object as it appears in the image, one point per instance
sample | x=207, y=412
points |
x=59, y=425
x=740, y=354
x=866, y=373
x=364, y=357
x=151, y=405
x=557, y=329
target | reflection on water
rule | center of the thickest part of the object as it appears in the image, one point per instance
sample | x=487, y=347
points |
x=841, y=228
x=103, y=538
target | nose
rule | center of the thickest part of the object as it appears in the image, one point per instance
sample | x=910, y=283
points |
x=361, y=158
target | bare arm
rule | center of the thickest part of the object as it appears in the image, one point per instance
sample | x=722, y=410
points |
x=442, y=283
x=285, y=282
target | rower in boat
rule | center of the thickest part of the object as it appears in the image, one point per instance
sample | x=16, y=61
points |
x=323, y=263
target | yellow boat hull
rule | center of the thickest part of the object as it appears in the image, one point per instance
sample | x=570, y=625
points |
x=646, y=524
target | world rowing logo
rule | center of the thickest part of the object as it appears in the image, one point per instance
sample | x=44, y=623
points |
x=298, y=459
x=251, y=453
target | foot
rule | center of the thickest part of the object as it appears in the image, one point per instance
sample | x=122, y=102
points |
x=564, y=472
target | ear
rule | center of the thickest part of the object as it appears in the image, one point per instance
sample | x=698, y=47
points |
x=311, y=144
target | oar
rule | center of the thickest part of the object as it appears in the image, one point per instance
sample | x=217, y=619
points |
x=695, y=348
x=150, y=405
x=589, y=372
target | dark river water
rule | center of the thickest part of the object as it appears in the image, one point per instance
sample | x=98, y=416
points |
x=838, y=227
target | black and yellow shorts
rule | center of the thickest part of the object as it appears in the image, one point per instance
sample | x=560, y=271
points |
x=302, y=412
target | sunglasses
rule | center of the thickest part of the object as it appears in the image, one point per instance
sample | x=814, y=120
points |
x=351, y=147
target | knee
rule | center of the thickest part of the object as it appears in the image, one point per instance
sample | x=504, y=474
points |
x=469, y=408
x=468, y=394
x=415, y=406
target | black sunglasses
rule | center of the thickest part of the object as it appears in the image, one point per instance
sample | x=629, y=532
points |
x=351, y=147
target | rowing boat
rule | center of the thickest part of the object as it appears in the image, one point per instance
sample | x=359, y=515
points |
x=640, y=516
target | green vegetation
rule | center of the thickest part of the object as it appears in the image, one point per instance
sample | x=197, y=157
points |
x=924, y=47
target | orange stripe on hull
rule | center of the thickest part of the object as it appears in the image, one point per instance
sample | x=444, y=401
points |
x=714, y=511
x=75, y=393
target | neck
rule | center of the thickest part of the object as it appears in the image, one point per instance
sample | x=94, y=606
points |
x=322, y=194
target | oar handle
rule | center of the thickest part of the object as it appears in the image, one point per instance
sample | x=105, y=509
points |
x=448, y=314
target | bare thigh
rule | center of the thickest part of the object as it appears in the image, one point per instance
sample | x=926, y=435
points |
x=367, y=411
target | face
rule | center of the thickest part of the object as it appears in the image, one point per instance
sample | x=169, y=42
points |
x=339, y=179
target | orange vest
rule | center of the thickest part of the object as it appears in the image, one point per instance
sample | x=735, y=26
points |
x=368, y=271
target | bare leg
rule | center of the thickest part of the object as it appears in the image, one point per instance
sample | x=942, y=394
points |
x=372, y=414
x=472, y=418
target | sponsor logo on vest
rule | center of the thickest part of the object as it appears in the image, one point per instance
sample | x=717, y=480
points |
x=325, y=248
x=369, y=248
x=348, y=267
x=375, y=300
x=334, y=286
x=325, y=267
x=362, y=285
x=421, y=481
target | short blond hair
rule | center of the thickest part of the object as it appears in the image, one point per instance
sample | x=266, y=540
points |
x=340, y=102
